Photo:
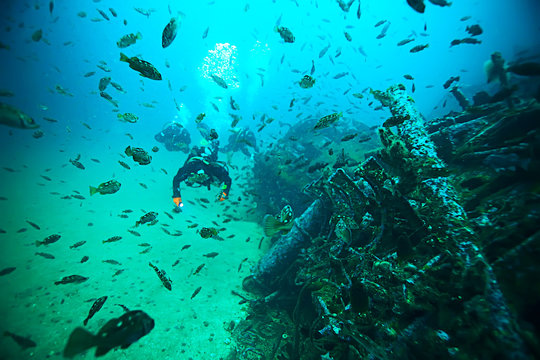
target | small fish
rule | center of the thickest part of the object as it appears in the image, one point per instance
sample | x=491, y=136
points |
x=104, y=67
x=440, y=2
x=118, y=332
x=145, y=250
x=143, y=67
x=323, y=51
x=34, y=225
x=111, y=261
x=211, y=254
x=109, y=98
x=102, y=13
x=185, y=247
x=139, y=155
x=13, y=117
x=49, y=240
x=96, y=306
x=451, y=80
x=474, y=30
x=208, y=232
x=128, y=40
x=144, y=12
x=205, y=33
x=465, y=41
x=327, y=120
x=285, y=34
x=118, y=272
x=113, y=12
x=45, y=255
x=37, y=35
x=71, y=279
x=133, y=232
x=76, y=162
x=117, y=86
x=124, y=164
x=199, y=268
x=418, y=48
x=23, y=342
x=218, y=80
x=197, y=290
x=149, y=218
x=340, y=75
x=111, y=239
x=241, y=262
x=84, y=259
x=169, y=32
x=128, y=117
x=104, y=82
x=274, y=224
x=7, y=270
x=404, y=42
x=166, y=281
x=306, y=83
x=348, y=137
x=109, y=187
x=77, y=244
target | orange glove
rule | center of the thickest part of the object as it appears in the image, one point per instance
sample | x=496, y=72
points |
x=178, y=201
x=223, y=196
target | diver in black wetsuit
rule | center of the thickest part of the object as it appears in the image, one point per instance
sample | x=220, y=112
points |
x=202, y=168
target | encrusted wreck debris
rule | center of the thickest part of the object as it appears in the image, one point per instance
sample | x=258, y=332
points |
x=426, y=251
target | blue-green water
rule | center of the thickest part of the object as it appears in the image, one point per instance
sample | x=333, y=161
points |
x=262, y=73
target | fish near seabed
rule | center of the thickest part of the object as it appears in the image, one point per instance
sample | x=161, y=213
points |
x=11, y=116
x=283, y=222
x=118, y=332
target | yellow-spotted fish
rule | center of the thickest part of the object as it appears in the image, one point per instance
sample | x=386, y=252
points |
x=282, y=222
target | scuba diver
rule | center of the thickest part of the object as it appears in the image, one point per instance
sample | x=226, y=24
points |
x=175, y=137
x=202, y=169
x=241, y=139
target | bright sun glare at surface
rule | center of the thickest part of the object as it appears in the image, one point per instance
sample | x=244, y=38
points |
x=221, y=61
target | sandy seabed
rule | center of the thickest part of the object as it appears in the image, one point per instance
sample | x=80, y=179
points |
x=185, y=328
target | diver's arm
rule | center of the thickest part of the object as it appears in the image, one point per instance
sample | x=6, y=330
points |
x=223, y=176
x=190, y=167
x=180, y=176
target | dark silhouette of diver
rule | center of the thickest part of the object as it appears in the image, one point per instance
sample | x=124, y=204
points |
x=240, y=140
x=202, y=169
x=175, y=137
